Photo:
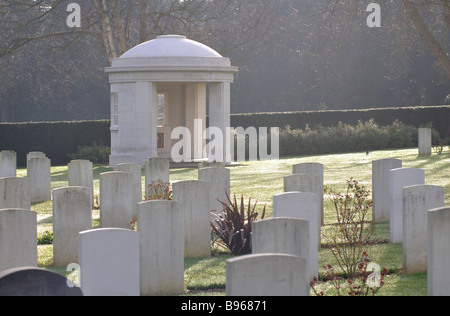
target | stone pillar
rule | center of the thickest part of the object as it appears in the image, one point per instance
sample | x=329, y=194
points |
x=425, y=141
x=18, y=239
x=194, y=198
x=134, y=138
x=380, y=187
x=8, y=163
x=72, y=213
x=438, y=252
x=219, y=113
x=161, y=232
x=196, y=110
x=39, y=173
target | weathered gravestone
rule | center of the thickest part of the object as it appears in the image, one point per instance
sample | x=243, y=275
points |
x=116, y=200
x=312, y=168
x=72, y=213
x=136, y=172
x=219, y=185
x=304, y=206
x=398, y=179
x=8, y=163
x=283, y=235
x=267, y=275
x=15, y=193
x=18, y=238
x=81, y=174
x=39, y=173
x=161, y=233
x=380, y=187
x=306, y=182
x=438, y=252
x=417, y=201
x=425, y=141
x=194, y=198
x=109, y=262
x=30, y=281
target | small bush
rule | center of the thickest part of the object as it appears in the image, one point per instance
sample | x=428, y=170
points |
x=45, y=239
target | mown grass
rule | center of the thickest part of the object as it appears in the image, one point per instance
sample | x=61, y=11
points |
x=262, y=180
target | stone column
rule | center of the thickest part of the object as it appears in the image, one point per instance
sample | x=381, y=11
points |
x=219, y=113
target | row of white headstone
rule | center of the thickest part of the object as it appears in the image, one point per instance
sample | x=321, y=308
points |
x=168, y=231
x=401, y=197
x=285, y=249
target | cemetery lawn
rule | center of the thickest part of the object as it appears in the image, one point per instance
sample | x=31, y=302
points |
x=260, y=181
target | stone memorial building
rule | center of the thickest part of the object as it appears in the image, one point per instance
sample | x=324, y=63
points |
x=162, y=84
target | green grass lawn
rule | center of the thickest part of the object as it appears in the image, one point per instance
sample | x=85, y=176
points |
x=262, y=180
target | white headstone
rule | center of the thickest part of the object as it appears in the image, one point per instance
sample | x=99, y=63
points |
x=81, y=174
x=116, y=200
x=306, y=182
x=72, y=213
x=219, y=180
x=136, y=171
x=438, y=252
x=161, y=231
x=109, y=262
x=304, y=206
x=39, y=173
x=283, y=235
x=380, y=187
x=312, y=168
x=8, y=163
x=194, y=197
x=15, y=193
x=18, y=239
x=267, y=275
x=398, y=179
x=417, y=201
x=425, y=141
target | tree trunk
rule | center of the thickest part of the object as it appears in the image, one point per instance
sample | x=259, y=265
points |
x=106, y=30
x=433, y=44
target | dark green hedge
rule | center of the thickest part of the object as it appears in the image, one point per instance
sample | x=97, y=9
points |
x=438, y=116
x=56, y=139
x=61, y=139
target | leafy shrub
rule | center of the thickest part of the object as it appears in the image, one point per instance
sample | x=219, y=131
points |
x=97, y=153
x=349, y=237
x=233, y=226
x=45, y=239
x=159, y=191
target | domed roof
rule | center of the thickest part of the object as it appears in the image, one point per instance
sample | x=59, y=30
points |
x=171, y=46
